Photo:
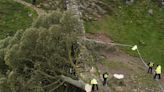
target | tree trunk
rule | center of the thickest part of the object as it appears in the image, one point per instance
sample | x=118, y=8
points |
x=77, y=83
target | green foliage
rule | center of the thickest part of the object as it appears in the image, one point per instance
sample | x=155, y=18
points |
x=35, y=58
x=3, y=44
x=67, y=20
x=14, y=16
x=49, y=20
x=49, y=4
x=4, y=85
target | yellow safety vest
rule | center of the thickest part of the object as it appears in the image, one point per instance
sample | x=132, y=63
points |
x=94, y=81
x=151, y=64
x=158, y=70
x=106, y=76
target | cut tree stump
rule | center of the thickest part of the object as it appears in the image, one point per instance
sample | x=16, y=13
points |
x=77, y=83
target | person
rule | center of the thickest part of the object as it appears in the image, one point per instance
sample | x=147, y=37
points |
x=105, y=77
x=94, y=84
x=150, y=69
x=158, y=72
x=33, y=2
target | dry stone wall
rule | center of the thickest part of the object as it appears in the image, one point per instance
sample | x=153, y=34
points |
x=73, y=6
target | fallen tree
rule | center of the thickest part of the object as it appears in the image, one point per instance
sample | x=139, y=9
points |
x=38, y=56
x=78, y=83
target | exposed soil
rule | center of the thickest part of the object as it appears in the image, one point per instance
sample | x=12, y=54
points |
x=118, y=62
x=99, y=37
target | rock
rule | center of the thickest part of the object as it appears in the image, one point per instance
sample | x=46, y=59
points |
x=100, y=10
x=150, y=11
x=129, y=2
x=93, y=9
x=30, y=15
x=163, y=3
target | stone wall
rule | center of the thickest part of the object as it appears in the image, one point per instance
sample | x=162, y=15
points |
x=73, y=6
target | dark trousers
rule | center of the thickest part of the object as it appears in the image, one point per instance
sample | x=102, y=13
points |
x=159, y=76
x=33, y=2
x=94, y=86
x=105, y=81
x=150, y=70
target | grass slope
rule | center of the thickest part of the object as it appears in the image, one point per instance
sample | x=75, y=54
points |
x=37, y=1
x=133, y=25
x=14, y=16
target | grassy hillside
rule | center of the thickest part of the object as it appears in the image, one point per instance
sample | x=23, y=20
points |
x=37, y=1
x=134, y=25
x=49, y=4
x=14, y=16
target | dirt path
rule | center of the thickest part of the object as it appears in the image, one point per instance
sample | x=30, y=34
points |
x=135, y=72
x=38, y=10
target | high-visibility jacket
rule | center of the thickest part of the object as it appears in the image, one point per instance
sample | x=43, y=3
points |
x=94, y=81
x=158, y=70
x=105, y=75
x=151, y=64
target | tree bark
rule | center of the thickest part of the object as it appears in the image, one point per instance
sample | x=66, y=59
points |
x=76, y=83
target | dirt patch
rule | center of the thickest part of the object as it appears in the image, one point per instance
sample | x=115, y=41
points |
x=136, y=77
x=99, y=37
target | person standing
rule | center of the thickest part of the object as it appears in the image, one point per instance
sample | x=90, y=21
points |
x=150, y=69
x=158, y=72
x=94, y=84
x=105, y=77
